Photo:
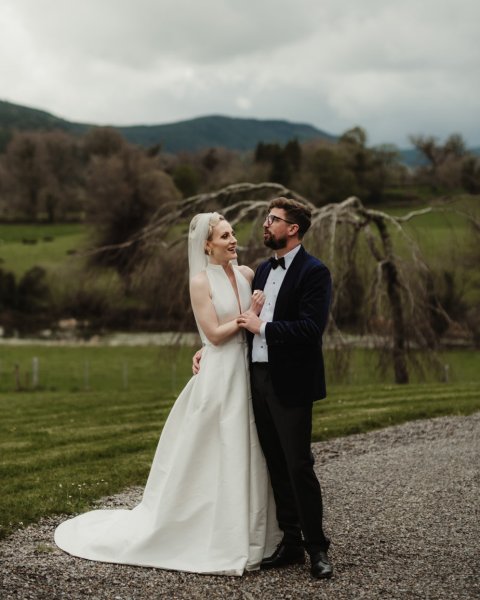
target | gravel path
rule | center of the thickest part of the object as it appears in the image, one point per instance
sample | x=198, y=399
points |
x=402, y=507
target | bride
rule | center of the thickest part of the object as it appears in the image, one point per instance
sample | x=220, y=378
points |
x=207, y=506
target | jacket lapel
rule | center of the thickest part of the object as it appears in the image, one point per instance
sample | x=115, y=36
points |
x=262, y=276
x=289, y=282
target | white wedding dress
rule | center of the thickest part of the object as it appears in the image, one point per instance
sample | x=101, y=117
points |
x=207, y=505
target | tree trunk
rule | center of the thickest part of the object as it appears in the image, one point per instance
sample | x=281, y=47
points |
x=399, y=337
x=390, y=273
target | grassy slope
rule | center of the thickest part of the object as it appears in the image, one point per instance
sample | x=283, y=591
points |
x=443, y=237
x=440, y=232
x=50, y=254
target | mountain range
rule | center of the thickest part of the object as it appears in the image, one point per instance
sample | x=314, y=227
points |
x=190, y=135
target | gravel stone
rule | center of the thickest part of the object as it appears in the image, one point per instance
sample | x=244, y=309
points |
x=401, y=506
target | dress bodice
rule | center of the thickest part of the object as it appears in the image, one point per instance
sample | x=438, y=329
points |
x=224, y=298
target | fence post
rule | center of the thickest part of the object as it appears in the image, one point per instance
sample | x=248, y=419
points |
x=446, y=369
x=35, y=372
x=18, y=386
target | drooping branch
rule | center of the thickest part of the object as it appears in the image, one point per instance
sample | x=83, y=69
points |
x=344, y=234
x=237, y=201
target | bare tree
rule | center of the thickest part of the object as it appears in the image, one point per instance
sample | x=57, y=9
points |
x=27, y=177
x=42, y=175
x=444, y=161
x=124, y=190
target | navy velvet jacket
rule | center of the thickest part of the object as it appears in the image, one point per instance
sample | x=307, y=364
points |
x=294, y=337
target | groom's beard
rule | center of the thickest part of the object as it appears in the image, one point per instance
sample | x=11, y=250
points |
x=274, y=243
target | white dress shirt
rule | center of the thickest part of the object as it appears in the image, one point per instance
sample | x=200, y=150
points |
x=272, y=287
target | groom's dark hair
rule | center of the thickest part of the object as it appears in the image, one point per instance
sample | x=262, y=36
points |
x=295, y=211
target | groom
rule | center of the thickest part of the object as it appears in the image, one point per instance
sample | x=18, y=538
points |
x=287, y=375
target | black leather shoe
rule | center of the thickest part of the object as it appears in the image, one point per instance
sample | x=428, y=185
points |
x=320, y=566
x=283, y=556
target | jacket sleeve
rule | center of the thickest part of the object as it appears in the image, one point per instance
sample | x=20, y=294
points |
x=312, y=314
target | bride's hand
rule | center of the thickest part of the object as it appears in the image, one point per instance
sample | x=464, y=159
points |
x=258, y=300
x=197, y=357
x=249, y=320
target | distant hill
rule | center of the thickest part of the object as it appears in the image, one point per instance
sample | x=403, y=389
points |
x=227, y=132
x=191, y=135
x=13, y=116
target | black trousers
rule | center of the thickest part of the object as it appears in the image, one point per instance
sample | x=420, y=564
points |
x=285, y=436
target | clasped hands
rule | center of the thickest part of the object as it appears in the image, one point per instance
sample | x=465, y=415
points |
x=250, y=319
x=247, y=320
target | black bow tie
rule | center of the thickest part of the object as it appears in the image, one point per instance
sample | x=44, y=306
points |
x=275, y=262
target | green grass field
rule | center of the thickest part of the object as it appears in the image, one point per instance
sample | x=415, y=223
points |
x=442, y=232
x=64, y=446
x=74, y=369
x=99, y=369
x=50, y=250
x=444, y=237
x=438, y=234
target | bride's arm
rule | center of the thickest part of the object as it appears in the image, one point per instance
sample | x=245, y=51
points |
x=258, y=297
x=205, y=312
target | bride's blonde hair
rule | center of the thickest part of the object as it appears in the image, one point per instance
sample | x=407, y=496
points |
x=212, y=223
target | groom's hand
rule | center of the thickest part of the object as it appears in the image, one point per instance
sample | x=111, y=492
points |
x=249, y=320
x=258, y=300
x=197, y=357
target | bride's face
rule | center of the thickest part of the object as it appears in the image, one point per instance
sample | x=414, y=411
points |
x=223, y=245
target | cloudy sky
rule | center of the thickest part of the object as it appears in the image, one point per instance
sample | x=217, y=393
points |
x=395, y=68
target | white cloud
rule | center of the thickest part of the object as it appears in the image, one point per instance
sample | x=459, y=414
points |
x=393, y=68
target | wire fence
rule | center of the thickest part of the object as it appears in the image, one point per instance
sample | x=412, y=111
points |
x=165, y=370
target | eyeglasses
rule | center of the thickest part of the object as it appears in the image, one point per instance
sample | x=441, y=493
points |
x=270, y=219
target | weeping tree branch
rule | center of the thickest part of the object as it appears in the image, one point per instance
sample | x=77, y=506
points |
x=336, y=232
x=237, y=201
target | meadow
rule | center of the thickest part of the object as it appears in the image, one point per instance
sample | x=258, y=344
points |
x=437, y=233
x=75, y=439
x=25, y=245
x=443, y=232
